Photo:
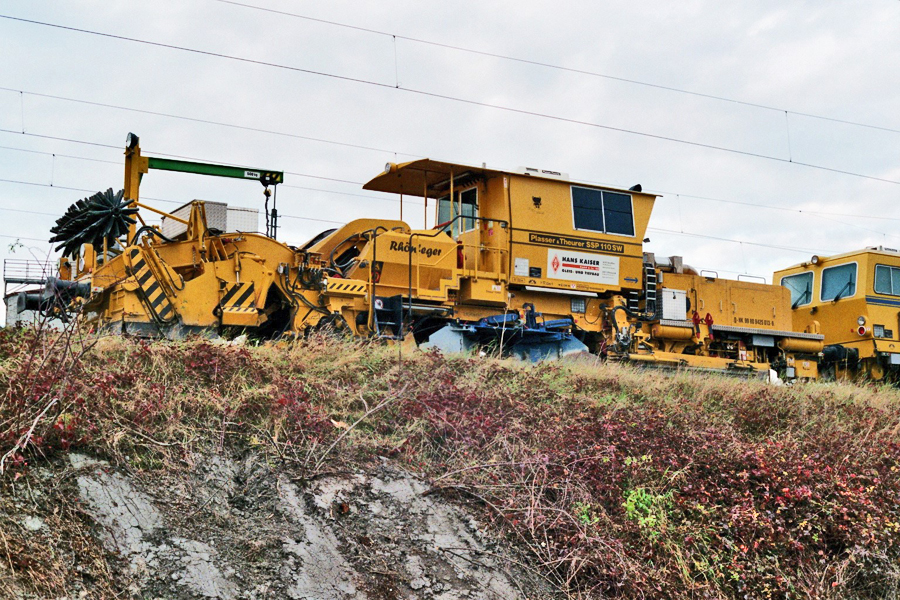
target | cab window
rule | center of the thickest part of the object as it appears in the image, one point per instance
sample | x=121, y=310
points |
x=838, y=282
x=887, y=280
x=448, y=211
x=602, y=211
x=800, y=286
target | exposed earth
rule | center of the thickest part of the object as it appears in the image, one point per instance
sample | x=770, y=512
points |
x=242, y=529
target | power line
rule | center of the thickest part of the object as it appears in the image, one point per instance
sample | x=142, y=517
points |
x=50, y=137
x=62, y=139
x=199, y=120
x=19, y=237
x=559, y=67
x=286, y=216
x=30, y=212
x=374, y=197
x=721, y=239
x=820, y=214
x=74, y=189
x=782, y=208
x=309, y=175
x=54, y=154
x=460, y=100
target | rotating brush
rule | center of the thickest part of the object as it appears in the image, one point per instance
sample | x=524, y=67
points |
x=105, y=216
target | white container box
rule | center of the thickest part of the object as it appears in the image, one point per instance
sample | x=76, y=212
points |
x=218, y=216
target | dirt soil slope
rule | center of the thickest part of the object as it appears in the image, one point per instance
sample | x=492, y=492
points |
x=240, y=529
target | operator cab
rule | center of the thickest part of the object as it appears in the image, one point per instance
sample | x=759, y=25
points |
x=532, y=228
x=855, y=299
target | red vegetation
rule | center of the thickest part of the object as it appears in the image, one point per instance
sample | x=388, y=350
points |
x=616, y=483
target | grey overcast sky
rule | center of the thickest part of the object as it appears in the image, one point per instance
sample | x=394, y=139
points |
x=832, y=59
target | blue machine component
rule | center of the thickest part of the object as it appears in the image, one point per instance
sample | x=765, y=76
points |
x=531, y=340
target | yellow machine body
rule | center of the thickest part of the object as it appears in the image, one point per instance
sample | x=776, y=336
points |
x=854, y=298
x=527, y=262
x=706, y=321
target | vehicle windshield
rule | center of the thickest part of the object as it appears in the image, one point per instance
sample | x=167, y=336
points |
x=800, y=286
x=838, y=282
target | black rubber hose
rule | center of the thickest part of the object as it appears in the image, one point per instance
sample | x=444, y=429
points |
x=632, y=314
x=150, y=229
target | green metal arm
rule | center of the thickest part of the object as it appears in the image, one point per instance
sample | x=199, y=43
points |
x=264, y=176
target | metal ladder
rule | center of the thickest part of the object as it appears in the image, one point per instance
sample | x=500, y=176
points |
x=634, y=299
x=650, y=282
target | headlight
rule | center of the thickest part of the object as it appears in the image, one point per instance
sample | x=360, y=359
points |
x=861, y=321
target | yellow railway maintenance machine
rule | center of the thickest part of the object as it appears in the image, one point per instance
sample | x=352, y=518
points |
x=527, y=263
x=855, y=299
x=550, y=266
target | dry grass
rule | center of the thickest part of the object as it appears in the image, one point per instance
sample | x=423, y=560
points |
x=614, y=481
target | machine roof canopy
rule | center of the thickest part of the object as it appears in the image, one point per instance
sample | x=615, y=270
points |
x=411, y=178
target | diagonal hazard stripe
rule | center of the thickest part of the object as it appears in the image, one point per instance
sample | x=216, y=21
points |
x=153, y=294
x=230, y=293
x=165, y=312
x=151, y=290
x=157, y=301
x=240, y=301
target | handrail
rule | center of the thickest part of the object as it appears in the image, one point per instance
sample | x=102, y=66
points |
x=27, y=271
x=748, y=276
x=503, y=225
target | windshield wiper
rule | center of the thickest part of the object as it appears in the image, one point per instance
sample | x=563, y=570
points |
x=846, y=287
x=805, y=294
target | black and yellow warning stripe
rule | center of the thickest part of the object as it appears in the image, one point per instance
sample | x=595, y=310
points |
x=238, y=295
x=346, y=287
x=150, y=288
x=238, y=309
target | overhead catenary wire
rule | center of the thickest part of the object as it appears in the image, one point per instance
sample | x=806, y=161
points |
x=820, y=214
x=723, y=239
x=298, y=187
x=327, y=141
x=286, y=216
x=197, y=120
x=347, y=181
x=397, y=36
x=781, y=208
x=458, y=99
x=19, y=237
x=74, y=189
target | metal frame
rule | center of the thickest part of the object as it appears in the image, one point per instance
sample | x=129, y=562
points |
x=444, y=226
x=875, y=280
x=855, y=283
x=602, y=210
x=812, y=285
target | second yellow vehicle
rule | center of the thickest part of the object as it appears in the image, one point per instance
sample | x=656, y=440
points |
x=855, y=299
